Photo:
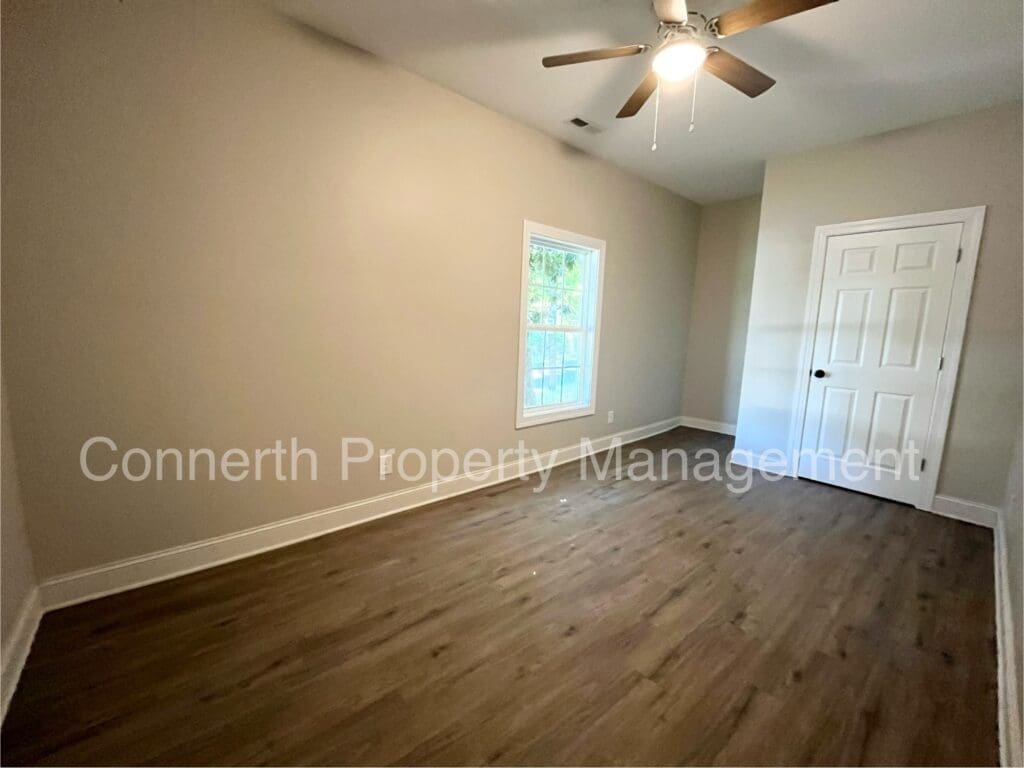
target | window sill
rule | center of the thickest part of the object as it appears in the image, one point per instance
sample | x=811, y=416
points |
x=524, y=420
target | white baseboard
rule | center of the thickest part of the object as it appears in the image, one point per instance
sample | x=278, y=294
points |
x=16, y=647
x=1010, y=747
x=108, y=579
x=721, y=427
x=967, y=511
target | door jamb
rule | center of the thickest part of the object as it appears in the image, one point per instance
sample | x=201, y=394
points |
x=973, y=220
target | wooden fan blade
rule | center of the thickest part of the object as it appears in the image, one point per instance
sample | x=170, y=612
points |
x=761, y=12
x=595, y=55
x=670, y=11
x=737, y=73
x=640, y=96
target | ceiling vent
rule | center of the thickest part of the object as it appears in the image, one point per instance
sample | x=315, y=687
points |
x=586, y=125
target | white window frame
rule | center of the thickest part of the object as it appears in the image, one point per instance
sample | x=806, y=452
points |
x=591, y=351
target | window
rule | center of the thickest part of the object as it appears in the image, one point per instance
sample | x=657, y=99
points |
x=559, y=324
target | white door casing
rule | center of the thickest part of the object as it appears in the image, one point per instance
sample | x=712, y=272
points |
x=888, y=302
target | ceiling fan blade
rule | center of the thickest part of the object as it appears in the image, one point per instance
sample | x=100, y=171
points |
x=737, y=73
x=595, y=55
x=760, y=12
x=640, y=96
x=670, y=11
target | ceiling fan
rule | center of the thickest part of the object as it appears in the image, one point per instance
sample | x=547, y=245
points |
x=685, y=47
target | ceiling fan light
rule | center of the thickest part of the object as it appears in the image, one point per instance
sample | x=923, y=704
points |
x=679, y=60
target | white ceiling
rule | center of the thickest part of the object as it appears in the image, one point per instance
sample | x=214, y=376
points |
x=850, y=69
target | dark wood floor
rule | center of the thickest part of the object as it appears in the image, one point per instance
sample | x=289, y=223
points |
x=634, y=623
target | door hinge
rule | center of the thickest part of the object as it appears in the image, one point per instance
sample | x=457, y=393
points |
x=942, y=361
x=959, y=254
x=923, y=462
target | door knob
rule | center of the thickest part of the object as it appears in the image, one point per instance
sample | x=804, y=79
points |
x=819, y=374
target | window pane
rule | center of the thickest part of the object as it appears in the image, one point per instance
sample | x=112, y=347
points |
x=552, y=386
x=535, y=349
x=536, y=264
x=570, y=385
x=535, y=304
x=573, y=271
x=572, y=305
x=573, y=349
x=553, y=264
x=554, y=349
x=552, y=306
x=533, y=392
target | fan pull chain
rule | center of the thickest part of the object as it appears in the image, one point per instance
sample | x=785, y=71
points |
x=657, y=106
x=693, y=107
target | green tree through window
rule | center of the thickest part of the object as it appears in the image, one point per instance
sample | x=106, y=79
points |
x=560, y=326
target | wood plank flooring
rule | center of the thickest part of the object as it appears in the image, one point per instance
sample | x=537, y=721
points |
x=644, y=623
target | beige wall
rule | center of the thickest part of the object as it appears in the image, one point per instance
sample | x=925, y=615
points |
x=964, y=161
x=221, y=229
x=17, y=575
x=721, y=307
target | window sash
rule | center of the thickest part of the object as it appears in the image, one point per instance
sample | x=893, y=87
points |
x=556, y=328
x=560, y=245
x=591, y=253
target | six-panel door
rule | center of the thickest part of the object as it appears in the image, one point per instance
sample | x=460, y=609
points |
x=885, y=299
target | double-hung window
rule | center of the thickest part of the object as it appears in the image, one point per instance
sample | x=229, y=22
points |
x=560, y=320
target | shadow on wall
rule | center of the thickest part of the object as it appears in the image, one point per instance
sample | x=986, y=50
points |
x=721, y=307
x=318, y=36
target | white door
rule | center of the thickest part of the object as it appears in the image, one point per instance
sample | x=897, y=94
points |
x=885, y=299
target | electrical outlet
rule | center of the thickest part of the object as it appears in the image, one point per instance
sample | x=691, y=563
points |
x=611, y=417
x=387, y=463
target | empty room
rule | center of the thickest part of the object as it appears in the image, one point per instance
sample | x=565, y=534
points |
x=511, y=382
